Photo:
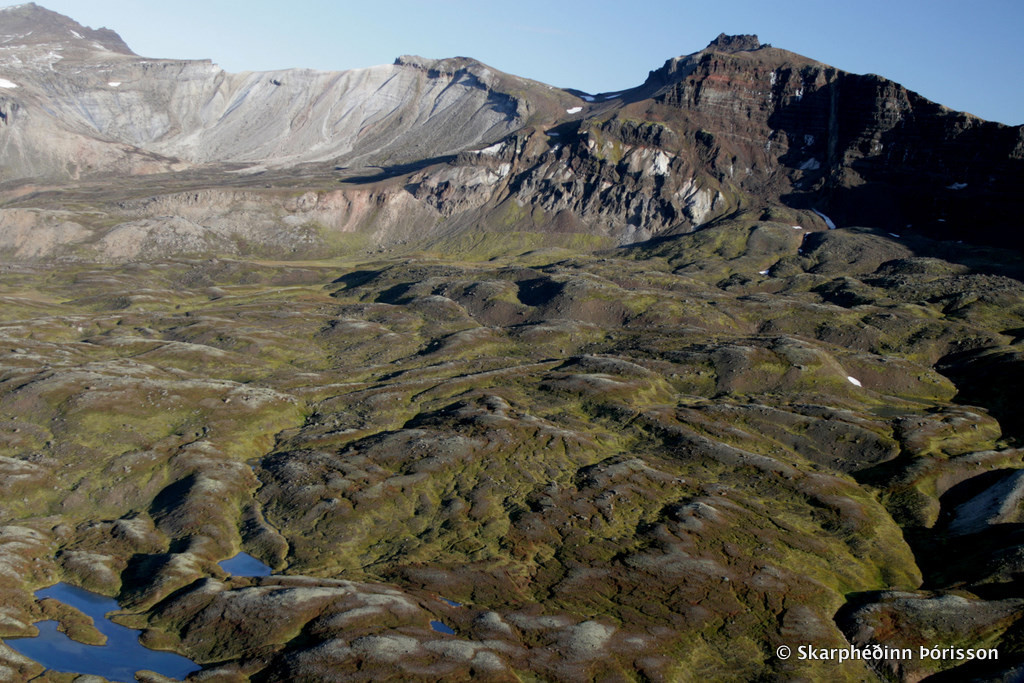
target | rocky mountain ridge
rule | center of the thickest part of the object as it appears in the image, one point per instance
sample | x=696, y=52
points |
x=456, y=146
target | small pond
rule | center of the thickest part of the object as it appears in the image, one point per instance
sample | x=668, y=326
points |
x=244, y=564
x=441, y=627
x=118, y=660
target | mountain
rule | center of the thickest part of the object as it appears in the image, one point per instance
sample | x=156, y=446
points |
x=138, y=115
x=715, y=378
x=29, y=29
x=458, y=148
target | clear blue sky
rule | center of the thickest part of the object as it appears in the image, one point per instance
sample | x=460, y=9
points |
x=969, y=56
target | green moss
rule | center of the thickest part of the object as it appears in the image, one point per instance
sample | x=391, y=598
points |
x=490, y=245
x=657, y=425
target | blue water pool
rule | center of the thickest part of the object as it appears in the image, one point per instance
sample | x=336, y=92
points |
x=442, y=627
x=244, y=564
x=118, y=660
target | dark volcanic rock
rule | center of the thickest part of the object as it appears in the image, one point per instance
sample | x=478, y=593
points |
x=742, y=43
x=864, y=148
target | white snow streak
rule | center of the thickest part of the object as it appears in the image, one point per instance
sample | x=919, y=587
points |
x=492, y=150
x=574, y=110
x=4, y=83
x=854, y=381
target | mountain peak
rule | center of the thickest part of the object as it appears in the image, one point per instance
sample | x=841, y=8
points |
x=740, y=43
x=31, y=25
x=677, y=68
x=446, y=65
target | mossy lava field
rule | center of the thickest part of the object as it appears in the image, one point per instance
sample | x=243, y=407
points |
x=659, y=462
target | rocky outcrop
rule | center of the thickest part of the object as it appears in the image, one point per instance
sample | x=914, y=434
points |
x=619, y=178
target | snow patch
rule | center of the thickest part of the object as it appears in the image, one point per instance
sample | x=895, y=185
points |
x=894, y=234
x=854, y=381
x=587, y=98
x=574, y=110
x=490, y=151
x=797, y=227
x=775, y=77
x=4, y=83
x=660, y=165
x=811, y=164
x=956, y=186
x=76, y=34
x=808, y=140
x=762, y=272
x=799, y=94
x=828, y=221
x=114, y=84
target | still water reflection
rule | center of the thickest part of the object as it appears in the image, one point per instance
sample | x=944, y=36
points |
x=244, y=564
x=118, y=660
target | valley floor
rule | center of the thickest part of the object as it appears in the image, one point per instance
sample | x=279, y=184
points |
x=656, y=463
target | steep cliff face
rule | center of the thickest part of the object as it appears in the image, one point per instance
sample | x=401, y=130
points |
x=625, y=179
x=871, y=151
